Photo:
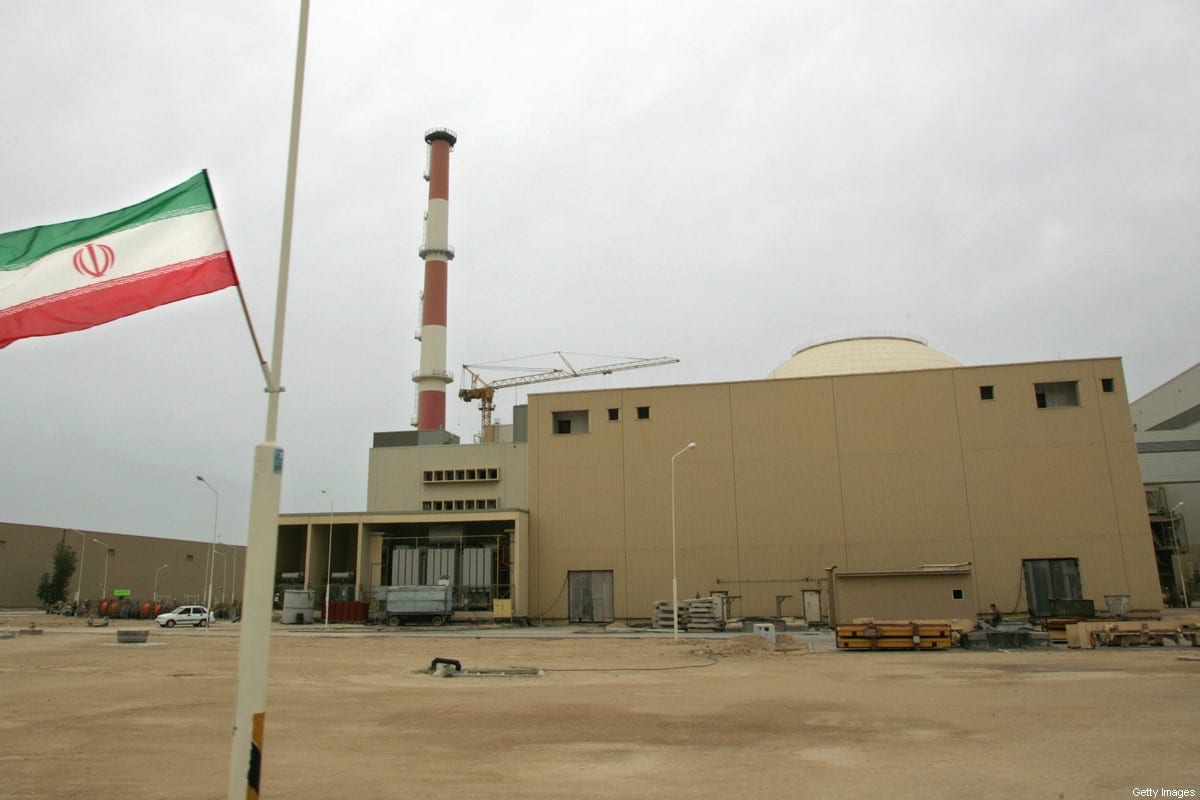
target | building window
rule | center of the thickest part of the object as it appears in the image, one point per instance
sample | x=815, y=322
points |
x=1107, y=385
x=614, y=414
x=190, y=558
x=957, y=594
x=461, y=475
x=427, y=505
x=643, y=412
x=1056, y=395
x=987, y=392
x=570, y=422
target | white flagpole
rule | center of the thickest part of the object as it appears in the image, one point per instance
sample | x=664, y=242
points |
x=254, y=649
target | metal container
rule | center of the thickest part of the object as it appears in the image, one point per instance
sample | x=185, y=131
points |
x=433, y=604
x=298, y=606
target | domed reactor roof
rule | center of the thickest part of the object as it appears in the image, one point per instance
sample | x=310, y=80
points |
x=856, y=355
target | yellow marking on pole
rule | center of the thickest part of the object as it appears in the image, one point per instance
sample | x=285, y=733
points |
x=256, y=740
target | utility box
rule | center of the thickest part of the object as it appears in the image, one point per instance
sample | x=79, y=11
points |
x=766, y=630
x=298, y=606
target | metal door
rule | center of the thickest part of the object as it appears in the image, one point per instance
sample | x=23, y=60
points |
x=590, y=596
x=812, y=605
x=1049, y=579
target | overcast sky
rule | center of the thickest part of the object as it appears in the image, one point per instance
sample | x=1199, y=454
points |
x=1011, y=181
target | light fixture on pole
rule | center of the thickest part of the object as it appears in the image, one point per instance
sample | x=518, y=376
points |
x=156, y=571
x=1176, y=560
x=328, y=559
x=212, y=548
x=674, y=576
x=82, y=556
x=108, y=552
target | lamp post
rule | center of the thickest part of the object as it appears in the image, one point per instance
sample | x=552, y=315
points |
x=212, y=548
x=82, y=556
x=1177, y=562
x=233, y=586
x=158, y=570
x=328, y=559
x=224, y=570
x=674, y=577
x=107, y=554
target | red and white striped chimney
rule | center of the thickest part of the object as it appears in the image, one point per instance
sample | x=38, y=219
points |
x=432, y=377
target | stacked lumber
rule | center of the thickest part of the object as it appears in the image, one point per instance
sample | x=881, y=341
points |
x=705, y=614
x=663, y=616
x=894, y=635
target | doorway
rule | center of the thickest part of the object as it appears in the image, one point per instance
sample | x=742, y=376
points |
x=590, y=596
x=1049, y=579
x=812, y=606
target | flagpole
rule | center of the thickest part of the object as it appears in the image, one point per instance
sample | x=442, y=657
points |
x=249, y=721
x=237, y=284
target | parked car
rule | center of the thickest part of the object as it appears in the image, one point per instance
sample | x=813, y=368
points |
x=185, y=615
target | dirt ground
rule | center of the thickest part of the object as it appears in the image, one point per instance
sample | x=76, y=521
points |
x=353, y=714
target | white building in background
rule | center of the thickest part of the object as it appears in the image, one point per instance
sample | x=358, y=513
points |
x=1166, y=425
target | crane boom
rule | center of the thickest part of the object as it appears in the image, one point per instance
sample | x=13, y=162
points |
x=485, y=391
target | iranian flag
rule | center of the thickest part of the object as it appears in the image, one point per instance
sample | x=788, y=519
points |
x=73, y=275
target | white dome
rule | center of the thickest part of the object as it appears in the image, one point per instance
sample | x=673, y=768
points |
x=863, y=354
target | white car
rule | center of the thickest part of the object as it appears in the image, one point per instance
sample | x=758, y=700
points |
x=185, y=615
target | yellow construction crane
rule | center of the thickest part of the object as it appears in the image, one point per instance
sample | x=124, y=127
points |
x=485, y=391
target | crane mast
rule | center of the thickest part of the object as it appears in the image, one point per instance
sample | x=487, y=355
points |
x=485, y=391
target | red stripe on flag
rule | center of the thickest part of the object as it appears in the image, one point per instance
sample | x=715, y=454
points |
x=88, y=306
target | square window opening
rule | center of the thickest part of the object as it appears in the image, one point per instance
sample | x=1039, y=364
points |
x=987, y=392
x=614, y=414
x=1107, y=385
x=1059, y=394
x=957, y=594
x=643, y=412
x=570, y=422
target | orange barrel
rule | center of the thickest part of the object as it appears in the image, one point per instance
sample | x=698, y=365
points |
x=145, y=611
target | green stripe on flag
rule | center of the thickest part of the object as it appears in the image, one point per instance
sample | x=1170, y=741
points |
x=19, y=249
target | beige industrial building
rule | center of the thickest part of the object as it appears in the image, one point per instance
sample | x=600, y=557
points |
x=1026, y=472
x=114, y=565
x=869, y=454
x=1014, y=484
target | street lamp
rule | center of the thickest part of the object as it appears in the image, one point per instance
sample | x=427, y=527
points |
x=108, y=551
x=212, y=548
x=233, y=586
x=674, y=579
x=328, y=558
x=160, y=569
x=1176, y=560
x=82, y=556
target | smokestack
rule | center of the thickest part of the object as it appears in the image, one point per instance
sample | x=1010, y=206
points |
x=432, y=377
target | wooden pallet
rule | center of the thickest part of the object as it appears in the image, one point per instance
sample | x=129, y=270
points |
x=891, y=635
